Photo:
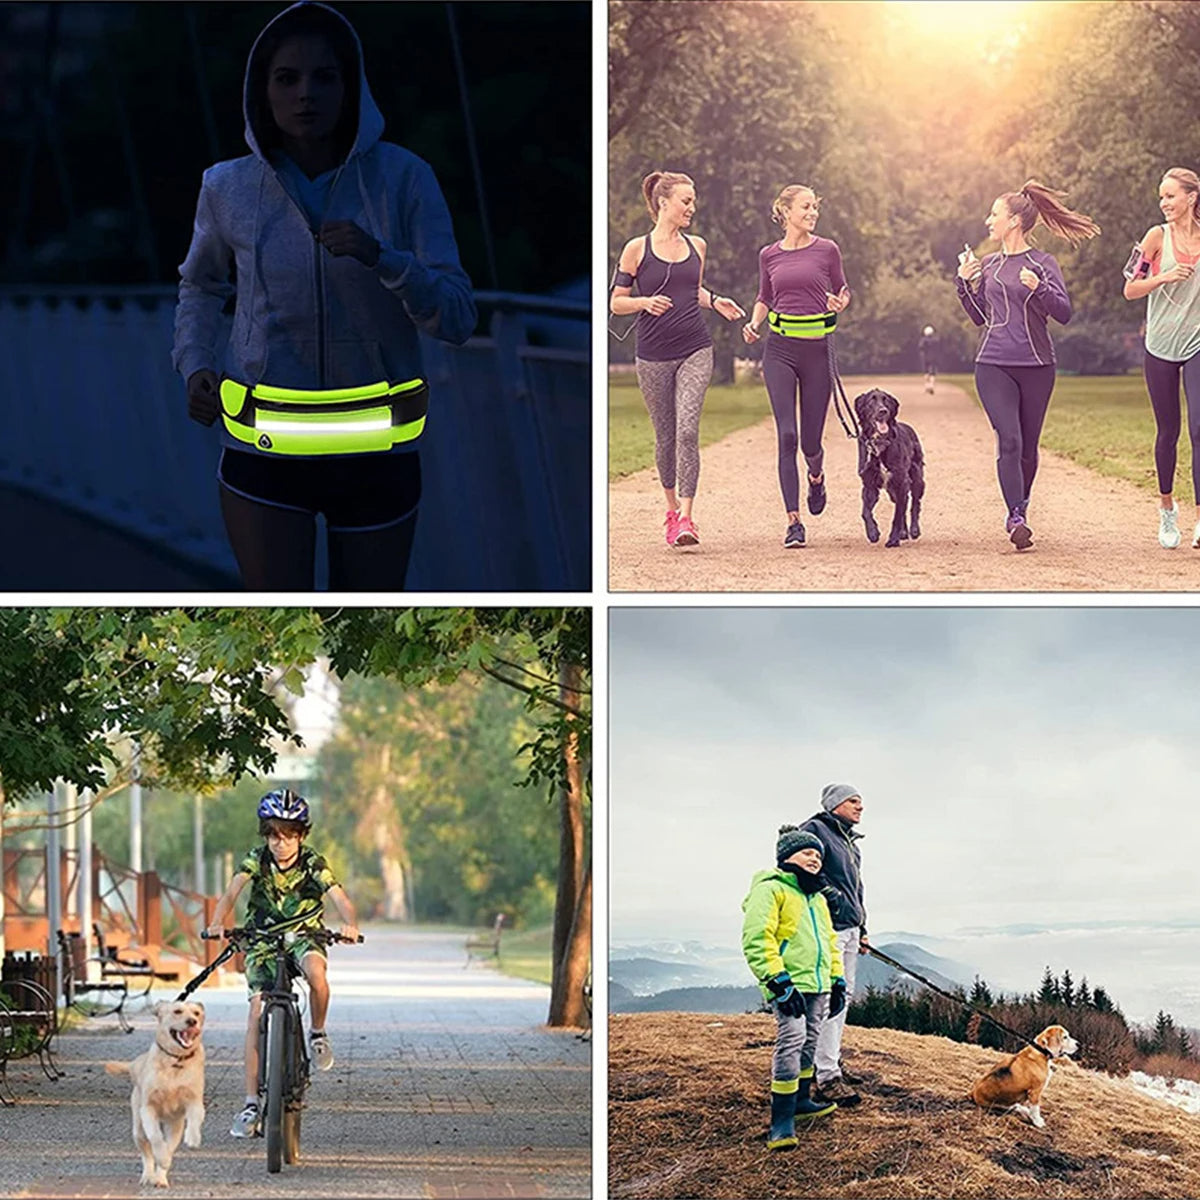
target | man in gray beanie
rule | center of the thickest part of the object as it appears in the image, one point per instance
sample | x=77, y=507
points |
x=841, y=810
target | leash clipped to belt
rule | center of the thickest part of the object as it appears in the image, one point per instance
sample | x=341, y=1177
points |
x=842, y=406
x=899, y=966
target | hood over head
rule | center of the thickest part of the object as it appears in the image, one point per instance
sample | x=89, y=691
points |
x=361, y=124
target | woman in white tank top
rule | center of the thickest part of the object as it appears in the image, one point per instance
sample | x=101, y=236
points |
x=1163, y=268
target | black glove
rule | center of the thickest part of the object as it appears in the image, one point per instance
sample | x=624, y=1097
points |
x=789, y=1001
x=204, y=400
x=837, y=996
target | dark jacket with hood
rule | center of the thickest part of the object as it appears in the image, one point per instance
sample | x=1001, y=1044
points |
x=306, y=319
x=841, y=866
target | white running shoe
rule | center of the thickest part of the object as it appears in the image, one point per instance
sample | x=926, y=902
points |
x=1168, y=527
x=1196, y=537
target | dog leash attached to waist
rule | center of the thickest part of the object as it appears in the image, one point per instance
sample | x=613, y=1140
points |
x=899, y=966
x=812, y=328
x=288, y=421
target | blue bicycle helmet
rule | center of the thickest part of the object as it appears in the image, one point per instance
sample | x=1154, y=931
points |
x=284, y=805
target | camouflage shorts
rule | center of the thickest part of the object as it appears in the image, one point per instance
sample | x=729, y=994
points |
x=260, y=961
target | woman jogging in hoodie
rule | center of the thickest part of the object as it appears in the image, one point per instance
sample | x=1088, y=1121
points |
x=789, y=944
x=343, y=249
x=1013, y=293
x=1163, y=269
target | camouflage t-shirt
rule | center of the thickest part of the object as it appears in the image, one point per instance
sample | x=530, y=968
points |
x=277, y=895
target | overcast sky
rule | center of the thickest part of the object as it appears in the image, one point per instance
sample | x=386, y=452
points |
x=1016, y=765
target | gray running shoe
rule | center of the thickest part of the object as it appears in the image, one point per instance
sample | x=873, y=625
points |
x=245, y=1124
x=795, y=536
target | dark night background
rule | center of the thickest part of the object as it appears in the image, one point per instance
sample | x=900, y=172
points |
x=110, y=112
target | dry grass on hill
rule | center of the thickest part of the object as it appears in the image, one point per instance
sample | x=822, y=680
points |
x=688, y=1107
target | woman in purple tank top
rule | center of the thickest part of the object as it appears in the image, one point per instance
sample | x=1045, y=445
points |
x=674, y=356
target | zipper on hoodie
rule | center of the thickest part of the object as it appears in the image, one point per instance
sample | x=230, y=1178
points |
x=812, y=916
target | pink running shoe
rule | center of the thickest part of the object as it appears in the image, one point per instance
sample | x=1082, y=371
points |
x=688, y=534
x=672, y=524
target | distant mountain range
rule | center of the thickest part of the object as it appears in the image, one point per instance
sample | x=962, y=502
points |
x=644, y=983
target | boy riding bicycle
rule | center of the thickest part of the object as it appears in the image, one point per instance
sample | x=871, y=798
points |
x=288, y=882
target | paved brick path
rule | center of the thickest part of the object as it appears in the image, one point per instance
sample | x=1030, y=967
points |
x=446, y=1084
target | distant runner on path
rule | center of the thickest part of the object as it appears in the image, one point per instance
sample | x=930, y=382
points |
x=1163, y=269
x=1012, y=294
x=674, y=358
x=928, y=348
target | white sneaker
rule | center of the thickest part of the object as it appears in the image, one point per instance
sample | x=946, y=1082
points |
x=322, y=1051
x=1196, y=537
x=1168, y=527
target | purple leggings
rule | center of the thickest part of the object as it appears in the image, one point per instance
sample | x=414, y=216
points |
x=1162, y=382
x=1015, y=400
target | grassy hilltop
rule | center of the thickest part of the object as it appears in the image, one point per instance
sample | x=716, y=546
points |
x=688, y=1116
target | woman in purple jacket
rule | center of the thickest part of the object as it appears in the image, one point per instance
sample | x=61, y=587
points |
x=1013, y=293
x=801, y=290
x=674, y=358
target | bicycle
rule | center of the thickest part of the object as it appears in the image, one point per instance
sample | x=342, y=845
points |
x=283, y=1063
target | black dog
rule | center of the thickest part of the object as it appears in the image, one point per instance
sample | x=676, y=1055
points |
x=889, y=455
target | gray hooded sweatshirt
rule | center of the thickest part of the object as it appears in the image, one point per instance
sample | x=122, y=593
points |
x=306, y=319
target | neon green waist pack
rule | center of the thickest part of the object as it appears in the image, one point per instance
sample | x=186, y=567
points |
x=376, y=416
x=815, y=326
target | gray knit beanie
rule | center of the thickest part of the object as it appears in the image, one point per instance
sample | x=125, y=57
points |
x=793, y=838
x=834, y=793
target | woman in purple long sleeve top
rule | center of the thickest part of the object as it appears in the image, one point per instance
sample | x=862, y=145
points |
x=1012, y=294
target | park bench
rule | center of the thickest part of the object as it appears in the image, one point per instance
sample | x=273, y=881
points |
x=485, y=945
x=28, y=1023
x=114, y=966
x=108, y=995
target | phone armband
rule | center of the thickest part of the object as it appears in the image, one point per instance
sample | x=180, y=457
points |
x=1138, y=266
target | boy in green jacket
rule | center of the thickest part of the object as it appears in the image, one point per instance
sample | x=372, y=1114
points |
x=788, y=940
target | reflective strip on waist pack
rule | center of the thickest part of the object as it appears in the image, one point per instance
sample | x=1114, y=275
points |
x=816, y=326
x=377, y=416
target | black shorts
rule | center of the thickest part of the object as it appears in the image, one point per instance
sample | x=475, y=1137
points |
x=353, y=491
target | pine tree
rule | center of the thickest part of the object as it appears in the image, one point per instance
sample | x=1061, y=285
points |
x=981, y=995
x=1164, y=1030
x=1048, y=992
x=1101, y=1001
x=1067, y=988
x=1083, y=997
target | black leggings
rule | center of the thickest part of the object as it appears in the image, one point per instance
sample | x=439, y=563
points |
x=369, y=502
x=1015, y=400
x=1162, y=382
x=786, y=363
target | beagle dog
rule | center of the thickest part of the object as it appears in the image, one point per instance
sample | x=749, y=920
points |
x=1017, y=1084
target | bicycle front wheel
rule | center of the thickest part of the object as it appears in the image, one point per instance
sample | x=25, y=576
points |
x=276, y=1073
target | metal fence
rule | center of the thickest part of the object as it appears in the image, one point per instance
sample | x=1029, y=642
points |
x=93, y=418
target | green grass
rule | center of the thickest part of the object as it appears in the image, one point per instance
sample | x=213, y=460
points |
x=1104, y=423
x=525, y=954
x=727, y=408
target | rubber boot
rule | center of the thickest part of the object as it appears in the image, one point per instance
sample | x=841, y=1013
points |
x=783, y=1115
x=808, y=1109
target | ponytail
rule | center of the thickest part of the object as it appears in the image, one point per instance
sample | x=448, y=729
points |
x=1035, y=201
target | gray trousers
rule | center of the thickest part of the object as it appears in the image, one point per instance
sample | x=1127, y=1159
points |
x=829, y=1048
x=674, y=395
x=796, y=1037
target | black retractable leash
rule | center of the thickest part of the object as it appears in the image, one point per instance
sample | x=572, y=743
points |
x=841, y=406
x=891, y=962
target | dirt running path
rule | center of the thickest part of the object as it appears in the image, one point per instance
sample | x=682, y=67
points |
x=1090, y=533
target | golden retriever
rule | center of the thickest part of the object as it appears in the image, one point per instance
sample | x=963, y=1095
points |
x=168, y=1088
x=1017, y=1084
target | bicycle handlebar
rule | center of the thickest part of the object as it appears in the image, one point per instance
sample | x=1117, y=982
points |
x=238, y=932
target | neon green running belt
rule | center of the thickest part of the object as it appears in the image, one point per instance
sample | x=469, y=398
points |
x=816, y=326
x=377, y=416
